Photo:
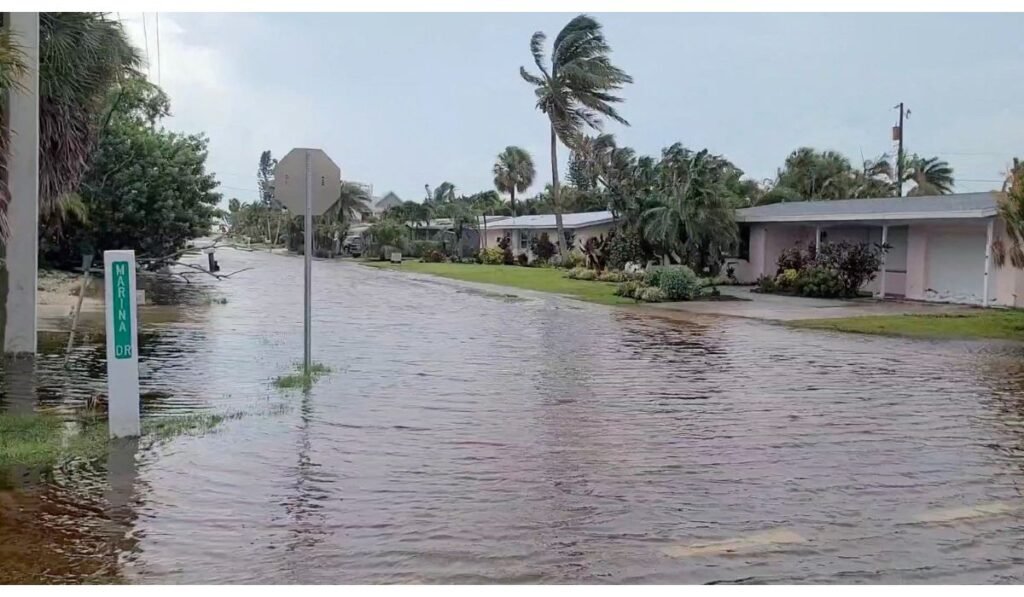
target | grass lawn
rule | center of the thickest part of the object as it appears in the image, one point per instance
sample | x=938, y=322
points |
x=985, y=323
x=530, y=278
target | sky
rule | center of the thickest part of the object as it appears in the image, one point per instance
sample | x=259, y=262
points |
x=403, y=100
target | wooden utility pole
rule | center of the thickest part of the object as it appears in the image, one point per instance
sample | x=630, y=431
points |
x=897, y=135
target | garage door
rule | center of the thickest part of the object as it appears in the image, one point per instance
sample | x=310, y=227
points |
x=956, y=265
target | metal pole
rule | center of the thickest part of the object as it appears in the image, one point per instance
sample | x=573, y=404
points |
x=885, y=241
x=899, y=156
x=988, y=259
x=308, y=254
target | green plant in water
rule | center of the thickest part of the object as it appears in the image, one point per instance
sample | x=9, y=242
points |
x=300, y=379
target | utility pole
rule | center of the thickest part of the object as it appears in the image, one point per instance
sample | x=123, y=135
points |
x=897, y=135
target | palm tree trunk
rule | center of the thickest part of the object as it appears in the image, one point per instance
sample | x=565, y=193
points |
x=512, y=200
x=563, y=251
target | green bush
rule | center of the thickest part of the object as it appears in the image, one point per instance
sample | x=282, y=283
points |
x=650, y=294
x=766, y=284
x=522, y=259
x=678, y=283
x=787, y=280
x=586, y=274
x=492, y=256
x=575, y=259
x=627, y=289
x=612, y=276
x=625, y=247
x=574, y=273
x=820, y=282
x=419, y=248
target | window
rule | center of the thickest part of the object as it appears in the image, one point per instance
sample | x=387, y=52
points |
x=742, y=248
x=524, y=239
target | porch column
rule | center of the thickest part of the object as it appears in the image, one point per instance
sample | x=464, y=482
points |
x=988, y=259
x=817, y=238
x=22, y=246
x=881, y=282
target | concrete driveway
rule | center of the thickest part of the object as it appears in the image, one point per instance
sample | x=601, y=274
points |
x=788, y=308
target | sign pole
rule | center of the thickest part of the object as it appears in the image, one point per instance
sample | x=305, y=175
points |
x=122, y=344
x=308, y=253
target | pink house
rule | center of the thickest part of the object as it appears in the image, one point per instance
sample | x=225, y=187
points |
x=941, y=246
x=521, y=229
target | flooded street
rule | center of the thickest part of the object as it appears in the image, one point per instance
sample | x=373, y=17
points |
x=466, y=436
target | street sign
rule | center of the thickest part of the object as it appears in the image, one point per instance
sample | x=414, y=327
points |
x=122, y=344
x=290, y=178
x=307, y=182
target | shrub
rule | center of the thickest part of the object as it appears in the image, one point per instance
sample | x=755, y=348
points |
x=522, y=259
x=611, y=276
x=854, y=263
x=574, y=273
x=787, y=280
x=766, y=284
x=627, y=289
x=653, y=274
x=492, y=256
x=575, y=259
x=542, y=247
x=434, y=256
x=820, y=282
x=679, y=283
x=586, y=274
x=795, y=258
x=624, y=246
x=419, y=248
x=505, y=244
x=595, y=250
x=650, y=294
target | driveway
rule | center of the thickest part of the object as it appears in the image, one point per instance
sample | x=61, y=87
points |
x=788, y=308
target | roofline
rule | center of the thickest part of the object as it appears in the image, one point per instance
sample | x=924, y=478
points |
x=511, y=225
x=927, y=215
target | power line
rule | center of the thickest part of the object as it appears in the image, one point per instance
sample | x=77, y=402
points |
x=159, y=70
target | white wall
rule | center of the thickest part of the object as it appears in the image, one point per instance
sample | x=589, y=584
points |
x=955, y=264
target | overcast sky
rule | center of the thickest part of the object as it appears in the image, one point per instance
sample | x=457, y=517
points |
x=403, y=100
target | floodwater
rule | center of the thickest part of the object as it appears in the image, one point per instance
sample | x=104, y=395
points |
x=470, y=437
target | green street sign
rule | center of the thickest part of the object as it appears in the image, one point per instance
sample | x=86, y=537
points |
x=122, y=304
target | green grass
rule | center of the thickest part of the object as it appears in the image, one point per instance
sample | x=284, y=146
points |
x=542, y=279
x=299, y=379
x=45, y=439
x=983, y=324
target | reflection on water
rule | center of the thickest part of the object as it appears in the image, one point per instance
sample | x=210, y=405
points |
x=465, y=437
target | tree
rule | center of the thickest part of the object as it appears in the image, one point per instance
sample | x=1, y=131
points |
x=693, y=220
x=83, y=58
x=574, y=91
x=147, y=188
x=513, y=171
x=931, y=176
x=463, y=217
x=1011, y=211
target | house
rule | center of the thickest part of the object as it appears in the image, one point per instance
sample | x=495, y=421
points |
x=941, y=246
x=386, y=202
x=522, y=229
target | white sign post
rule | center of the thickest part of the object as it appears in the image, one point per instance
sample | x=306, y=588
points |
x=122, y=344
x=307, y=182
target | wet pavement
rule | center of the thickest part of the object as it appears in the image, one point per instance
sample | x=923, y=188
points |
x=467, y=436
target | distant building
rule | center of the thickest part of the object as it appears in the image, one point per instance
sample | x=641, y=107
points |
x=387, y=201
x=579, y=227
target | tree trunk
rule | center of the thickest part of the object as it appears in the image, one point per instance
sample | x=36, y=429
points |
x=555, y=198
x=512, y=200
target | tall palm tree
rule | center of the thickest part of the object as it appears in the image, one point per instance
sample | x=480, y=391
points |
x=513, y=171
x=574, y=91
x=931, y=176
x=83, y=57
x=353, y=202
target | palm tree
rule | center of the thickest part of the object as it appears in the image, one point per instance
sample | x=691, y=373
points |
x=1011, y=211
x=82, y=58
x=574, y=92
x=693, y=219
x=931, y=176
x=463, y=217
x=513, y=171
x=353, y=202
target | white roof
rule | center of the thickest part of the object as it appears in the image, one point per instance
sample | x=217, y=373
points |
x=938, y=207
x=573, y=220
